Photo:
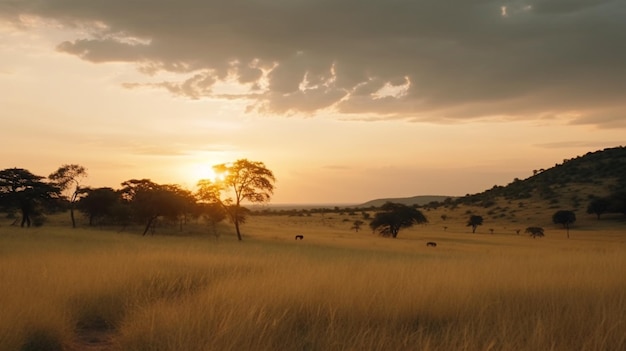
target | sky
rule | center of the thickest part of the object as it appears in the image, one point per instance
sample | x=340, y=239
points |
x=344, y=100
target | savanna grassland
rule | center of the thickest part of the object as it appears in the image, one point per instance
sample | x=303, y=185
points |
x=100, y=289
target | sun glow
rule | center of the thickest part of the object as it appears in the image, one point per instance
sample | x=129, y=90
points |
x=201, y=171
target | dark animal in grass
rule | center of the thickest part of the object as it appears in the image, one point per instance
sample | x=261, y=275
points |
x=299, y=237
x=430, y=243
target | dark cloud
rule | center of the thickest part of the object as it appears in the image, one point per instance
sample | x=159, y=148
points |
x=458, y=59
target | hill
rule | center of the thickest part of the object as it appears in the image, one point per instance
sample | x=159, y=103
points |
x=414, y=200
x=573, y=185
x=572, y=182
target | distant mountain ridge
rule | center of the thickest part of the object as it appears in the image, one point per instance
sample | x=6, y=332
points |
x=413, y=200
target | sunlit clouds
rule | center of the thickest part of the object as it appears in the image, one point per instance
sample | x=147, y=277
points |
x=344, y=100
x=487, y=57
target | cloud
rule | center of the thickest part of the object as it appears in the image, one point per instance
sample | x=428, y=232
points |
x=454, y=60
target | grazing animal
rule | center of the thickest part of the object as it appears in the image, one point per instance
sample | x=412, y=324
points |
x=431, y=243
x=299, y=237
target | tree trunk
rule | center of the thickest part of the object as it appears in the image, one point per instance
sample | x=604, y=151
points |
x=214, y=229
x=72, y=202
x=148, y=225
x=237, y=229
x=25, y=218
x=72, y=216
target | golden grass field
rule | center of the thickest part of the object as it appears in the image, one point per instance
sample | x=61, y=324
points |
x=100, y=289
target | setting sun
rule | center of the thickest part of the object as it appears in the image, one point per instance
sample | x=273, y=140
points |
x=198, y=171
x=204, y=171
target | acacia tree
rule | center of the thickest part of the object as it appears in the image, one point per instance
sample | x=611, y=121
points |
x=565, y=218
x=98, y=203
x=21, y=190
x=184, y=203
x=535, y=231
x=213, y=213
x=598, y=206
x=474, y=221
x=356, y=225
x=150, y=200
x=395, y=216
x=240, y=181
x=68, y=177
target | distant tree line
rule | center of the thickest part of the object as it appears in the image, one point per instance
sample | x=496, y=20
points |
x=306, y=212
x=28, y=197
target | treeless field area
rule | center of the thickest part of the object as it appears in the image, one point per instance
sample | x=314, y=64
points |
x=337, y=289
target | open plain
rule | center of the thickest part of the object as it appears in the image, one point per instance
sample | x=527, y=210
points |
x=337, y=289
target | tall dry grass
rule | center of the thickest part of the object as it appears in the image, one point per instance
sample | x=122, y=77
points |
x=328, y=292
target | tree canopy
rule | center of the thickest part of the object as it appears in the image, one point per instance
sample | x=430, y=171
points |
x=22, y=190
x=98, y=204
x=68, y=177
x=395, y=216
x=150, y=200
x=535, y=232
x=474, y=221
x=614, y=203
x=564, y=217
x=237, y=182
x=598, y=206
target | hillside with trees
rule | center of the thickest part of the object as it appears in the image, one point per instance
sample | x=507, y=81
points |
x=573, y=184
x=588, y=187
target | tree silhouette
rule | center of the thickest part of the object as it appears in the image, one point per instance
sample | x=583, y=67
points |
x=68, y=177
x=150, y=200
x=21, y=190
x=598, y=206
x=98, y=203
x=474, y=221
x=243, y=180
x=565, y=218
x=394, y=217
x=213, y=213
x=356, y=225
x=534, y=231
